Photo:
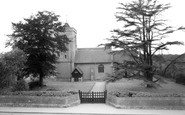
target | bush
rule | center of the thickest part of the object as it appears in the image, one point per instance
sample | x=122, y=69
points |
x=6, y=78
x=52, y=89
x=11, y=66
x=144, y=94
x=180, y=79
x=20, y=85
x=40, y=93
x=33, y=85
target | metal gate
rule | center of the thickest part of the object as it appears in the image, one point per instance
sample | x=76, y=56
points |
x=93, y=97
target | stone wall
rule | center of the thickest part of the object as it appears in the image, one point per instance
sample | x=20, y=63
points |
x=39, y=101
x=147, y=102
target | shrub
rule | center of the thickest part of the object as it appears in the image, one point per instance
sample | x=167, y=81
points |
x=180, y=79
x=6, y=78
x=20, y=85
x=144, y=94
x=39, y=93
x=33, y=85
x=52, y=89
x=11, y=66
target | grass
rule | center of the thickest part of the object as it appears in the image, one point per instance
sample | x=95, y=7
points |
x=67, y=86
x=137, y=85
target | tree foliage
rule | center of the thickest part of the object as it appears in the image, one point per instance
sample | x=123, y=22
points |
x=11, y=67
x=38, y=36
x=142, y=33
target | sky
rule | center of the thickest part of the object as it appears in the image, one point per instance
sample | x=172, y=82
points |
x=93, y=19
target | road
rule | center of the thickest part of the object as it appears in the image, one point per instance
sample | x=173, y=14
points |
x=85, y=109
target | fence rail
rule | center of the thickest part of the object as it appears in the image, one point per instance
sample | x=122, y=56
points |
x=93, y=97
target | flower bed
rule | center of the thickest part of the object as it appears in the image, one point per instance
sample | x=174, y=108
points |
x=142, y=100
x=39, y=99
x=39, y=93
x=145, y=94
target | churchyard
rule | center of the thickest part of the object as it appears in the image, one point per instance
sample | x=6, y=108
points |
x=165, y=86
x=68, y=86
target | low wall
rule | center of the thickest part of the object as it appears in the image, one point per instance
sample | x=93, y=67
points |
x=39, y=101
x=146, y=102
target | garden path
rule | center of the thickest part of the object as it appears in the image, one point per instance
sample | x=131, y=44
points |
x=99, y=87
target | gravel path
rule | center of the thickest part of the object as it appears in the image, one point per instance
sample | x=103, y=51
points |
x=98, y=87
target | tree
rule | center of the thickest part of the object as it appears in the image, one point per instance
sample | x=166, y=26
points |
x=38, y=36
x=142, y=33
x=11, y=67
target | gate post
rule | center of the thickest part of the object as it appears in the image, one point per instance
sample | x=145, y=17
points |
x=80, y=95
x=105, y=95
x=92, y=97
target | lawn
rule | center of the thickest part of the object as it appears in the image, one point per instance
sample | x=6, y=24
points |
x=68, y=86
x=136, y=85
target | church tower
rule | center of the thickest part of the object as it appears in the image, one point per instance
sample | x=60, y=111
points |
x=66, y=60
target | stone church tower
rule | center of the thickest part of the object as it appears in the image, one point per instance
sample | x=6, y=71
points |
x=66, y=60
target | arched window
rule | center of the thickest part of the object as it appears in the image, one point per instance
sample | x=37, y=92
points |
x=101, y=68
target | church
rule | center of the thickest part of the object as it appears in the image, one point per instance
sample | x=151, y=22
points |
x=83, y=64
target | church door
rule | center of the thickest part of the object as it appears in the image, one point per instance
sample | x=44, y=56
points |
x=75, y=79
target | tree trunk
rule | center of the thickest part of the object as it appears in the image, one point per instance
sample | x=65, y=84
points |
x=148, y=74
x=41, y=76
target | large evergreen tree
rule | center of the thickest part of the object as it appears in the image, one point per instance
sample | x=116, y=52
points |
x=142, y=33
x=38, y=36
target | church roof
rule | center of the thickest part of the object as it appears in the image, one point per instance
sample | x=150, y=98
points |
x=92, y=55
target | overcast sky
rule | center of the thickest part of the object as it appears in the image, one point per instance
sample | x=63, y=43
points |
x=93, y=19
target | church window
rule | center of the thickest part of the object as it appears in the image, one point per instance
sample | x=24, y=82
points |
x=65, y=56
x=101, y=68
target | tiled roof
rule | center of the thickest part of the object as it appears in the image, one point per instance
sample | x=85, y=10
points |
x=92, y=55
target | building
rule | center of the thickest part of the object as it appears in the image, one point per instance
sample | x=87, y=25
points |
x=84, y=63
